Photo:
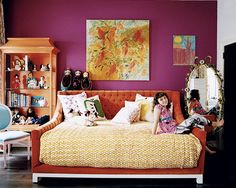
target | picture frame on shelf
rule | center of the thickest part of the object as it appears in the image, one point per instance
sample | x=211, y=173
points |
x=38, y=101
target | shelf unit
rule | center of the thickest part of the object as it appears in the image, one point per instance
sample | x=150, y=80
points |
x=30, y=53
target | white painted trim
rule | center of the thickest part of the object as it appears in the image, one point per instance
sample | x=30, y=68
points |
x=199, y=177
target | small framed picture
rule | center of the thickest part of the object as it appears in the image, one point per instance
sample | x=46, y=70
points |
x=184, y=49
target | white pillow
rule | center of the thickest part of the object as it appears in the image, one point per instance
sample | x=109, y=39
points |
x=146, y=113
x=134, y=104
x=71, y=104
x=126, y=115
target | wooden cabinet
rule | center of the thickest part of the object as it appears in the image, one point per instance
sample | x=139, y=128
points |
x=29, y=72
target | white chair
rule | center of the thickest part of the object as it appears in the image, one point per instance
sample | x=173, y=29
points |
x=10, y=137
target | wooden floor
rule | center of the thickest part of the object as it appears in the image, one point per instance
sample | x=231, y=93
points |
x=18, y=174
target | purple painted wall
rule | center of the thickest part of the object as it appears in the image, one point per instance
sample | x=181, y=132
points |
x=65, y=22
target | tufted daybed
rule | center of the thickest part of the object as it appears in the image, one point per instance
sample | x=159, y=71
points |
x=112, y=101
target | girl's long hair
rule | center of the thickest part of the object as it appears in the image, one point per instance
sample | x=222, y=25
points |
x=159, y=95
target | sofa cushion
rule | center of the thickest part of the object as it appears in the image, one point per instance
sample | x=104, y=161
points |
x=146, y=113
x=127, y=114
x=71, y=104
x=134, y=104
x=94, y=105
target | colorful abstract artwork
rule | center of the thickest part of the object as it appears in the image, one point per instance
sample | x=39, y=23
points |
x=184, y=49
x=117, y=49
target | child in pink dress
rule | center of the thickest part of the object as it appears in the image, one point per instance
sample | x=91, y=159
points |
x=166, y=122
x=163, y=119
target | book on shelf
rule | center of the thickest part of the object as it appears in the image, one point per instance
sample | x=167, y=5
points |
x=18, y=99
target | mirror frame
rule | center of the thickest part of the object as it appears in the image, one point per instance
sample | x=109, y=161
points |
x=204, y=63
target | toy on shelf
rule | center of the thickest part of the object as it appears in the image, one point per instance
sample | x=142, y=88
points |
x=34, y=67
x=22, y=120
x=44, y=67
x=31, y=82
x=16, y=116
x=31, y=117
x=16, y=82
x=42, y=83
x=17, y=63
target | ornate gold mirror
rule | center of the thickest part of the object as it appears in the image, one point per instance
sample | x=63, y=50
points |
x=208, y=81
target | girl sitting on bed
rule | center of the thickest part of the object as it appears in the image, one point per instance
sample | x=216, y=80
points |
x=164, y=122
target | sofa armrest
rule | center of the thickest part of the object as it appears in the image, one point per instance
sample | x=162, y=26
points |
x=201, y=135
x=36, y=134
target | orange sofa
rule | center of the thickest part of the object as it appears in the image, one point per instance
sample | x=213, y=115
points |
x=112, y=101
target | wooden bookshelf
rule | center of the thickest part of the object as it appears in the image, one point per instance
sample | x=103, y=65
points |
x=22, y=57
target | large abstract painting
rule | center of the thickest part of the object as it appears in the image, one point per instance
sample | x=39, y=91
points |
x=184, y=49
x=117, y=49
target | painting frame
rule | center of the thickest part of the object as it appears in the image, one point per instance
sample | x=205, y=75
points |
x=117, y=49
x=184, y=49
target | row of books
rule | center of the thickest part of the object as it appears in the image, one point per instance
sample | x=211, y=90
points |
x=18, y=100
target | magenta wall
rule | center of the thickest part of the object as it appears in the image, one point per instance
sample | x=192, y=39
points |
x=65, y=22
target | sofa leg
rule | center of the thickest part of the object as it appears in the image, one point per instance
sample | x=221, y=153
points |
x=199, y=179
x=34, y=178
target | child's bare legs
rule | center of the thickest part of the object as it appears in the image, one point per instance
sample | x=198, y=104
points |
x=218, y=123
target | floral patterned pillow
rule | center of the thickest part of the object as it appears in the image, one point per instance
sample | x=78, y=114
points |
x=72, y=105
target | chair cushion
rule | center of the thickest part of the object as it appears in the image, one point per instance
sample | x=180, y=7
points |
x=12, y=135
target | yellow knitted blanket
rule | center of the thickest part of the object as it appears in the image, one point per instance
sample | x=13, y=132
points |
x=118, y=146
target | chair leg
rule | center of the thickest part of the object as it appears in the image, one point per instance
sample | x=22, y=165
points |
x=8, y=149
x=4, y=155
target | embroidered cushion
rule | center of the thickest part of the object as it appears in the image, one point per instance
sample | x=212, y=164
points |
x=94, y=105
x=71, y=104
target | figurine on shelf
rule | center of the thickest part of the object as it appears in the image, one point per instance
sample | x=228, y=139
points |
x=30, y=112
x=44, y=67
x=22, y=120
x=77, y=80
x=42, y=82
x=86, y=82
x=30, y=65
x=24, y=82
x=29, y=120
x=16, y=82
x=17, y=65
x=31, y=82
x=31, y=117
x=48, y=67
x=34, y=67
x=15, y=116
x=66, y=80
